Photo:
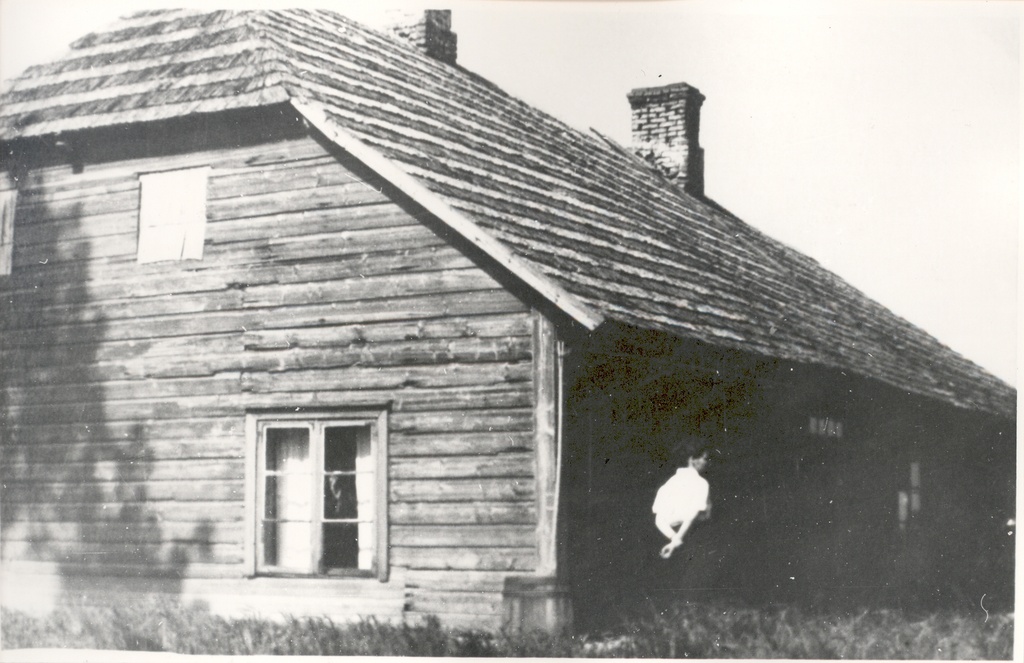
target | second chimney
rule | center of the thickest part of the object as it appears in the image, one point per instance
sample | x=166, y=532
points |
x=666, y=128
x=430, y=31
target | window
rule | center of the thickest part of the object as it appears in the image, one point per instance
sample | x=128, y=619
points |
x=825, y=427
x=8, y=202
x=172, y=215
x=909, y=503
x=915, y=487
x=319, y=503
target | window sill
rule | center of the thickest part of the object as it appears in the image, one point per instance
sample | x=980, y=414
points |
x=340, y=580
x=329, y=574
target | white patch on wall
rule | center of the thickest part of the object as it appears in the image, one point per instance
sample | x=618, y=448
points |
x=825, y=427
x=172, y=215
x=8, y=203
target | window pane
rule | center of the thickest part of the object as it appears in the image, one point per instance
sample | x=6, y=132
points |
x=270, y=498
x=340, y=448
x=287, y=497
x=286, y=545
x=341, y=546
x=364, y=459
x=270, y=544
x=288, y=449
x=340, y=496
x=367, y=545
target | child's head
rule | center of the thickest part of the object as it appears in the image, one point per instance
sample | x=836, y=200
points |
x=699, y=459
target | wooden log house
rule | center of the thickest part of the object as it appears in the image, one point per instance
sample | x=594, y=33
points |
x=301, y=317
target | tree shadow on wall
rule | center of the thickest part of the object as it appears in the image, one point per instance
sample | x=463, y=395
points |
x=78, y=489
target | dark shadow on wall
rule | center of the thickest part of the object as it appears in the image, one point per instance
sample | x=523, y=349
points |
x=637, y=408
x=799, y=517
x=77, y=491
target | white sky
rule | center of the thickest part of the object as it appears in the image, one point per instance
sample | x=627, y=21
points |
x=882, y=139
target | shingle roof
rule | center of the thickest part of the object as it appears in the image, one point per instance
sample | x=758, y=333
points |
x=576, y=209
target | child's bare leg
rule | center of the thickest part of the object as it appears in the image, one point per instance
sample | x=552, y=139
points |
x=676, y=537
x=665, y=526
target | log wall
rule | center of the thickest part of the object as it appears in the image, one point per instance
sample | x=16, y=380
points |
x=125, y=386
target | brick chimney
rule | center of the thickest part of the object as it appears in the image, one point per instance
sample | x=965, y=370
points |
x=666, y=128
x=430, y=31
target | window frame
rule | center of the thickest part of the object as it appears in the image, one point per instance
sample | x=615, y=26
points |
x=256, y=424
x=192, y=227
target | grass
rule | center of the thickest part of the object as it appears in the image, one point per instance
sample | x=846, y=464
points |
x=679, y=631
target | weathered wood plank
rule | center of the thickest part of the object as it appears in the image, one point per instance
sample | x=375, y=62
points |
x=311, y=247
x=98, y=411
x=87, y=333
x=251, y=204
x=73, y=571
x=128, y=470
x=467, y=420
x=392, y=353
x=369, y=216
x=71, y=531
x=121, y=245
x=461, y=490
x=390, y=377
x=448, y=580
x=189, y=429
x=485, y=326
x=162, y=449
x=460, y=602
x=122, y=390
x=505, y=466
x=480, y=513
x=70, y=188
x=490, y=559
x=118, y=352
x=77, y=209
x=32, y=315
x=457, y=444
x=102, y=225
x=354, y=312
x=84, y=489
x=84, y=283
x=443, y=305
x=112, y=554
x=463, y=536
x=324, y=171
x=128, y=513
x=371, y=287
